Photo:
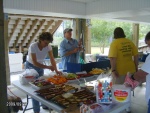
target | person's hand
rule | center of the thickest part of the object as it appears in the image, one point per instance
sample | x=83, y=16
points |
x=59, y=72
x=51, y=68
x=115, y=73
x=129, y=82
x=80, y=43
x=75, y=50
x=81, y=49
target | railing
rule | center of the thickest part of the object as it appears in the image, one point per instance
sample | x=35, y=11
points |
x=143, y=48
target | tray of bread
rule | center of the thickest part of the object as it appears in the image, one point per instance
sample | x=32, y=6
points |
x=78, y=98
x=85, y=96
x=49, y=93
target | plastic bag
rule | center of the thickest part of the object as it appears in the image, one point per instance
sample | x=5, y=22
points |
x=30, y=72
x=28, y=75
x=105, y=76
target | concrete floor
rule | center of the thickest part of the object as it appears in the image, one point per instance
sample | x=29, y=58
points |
x=138, y=103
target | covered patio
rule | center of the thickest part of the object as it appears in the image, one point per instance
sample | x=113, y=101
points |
x=21, y=21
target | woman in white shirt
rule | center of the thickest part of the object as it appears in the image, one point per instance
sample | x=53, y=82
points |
x=36, y=55
x=143, y=75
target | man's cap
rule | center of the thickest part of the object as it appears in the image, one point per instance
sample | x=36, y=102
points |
x=67, y=30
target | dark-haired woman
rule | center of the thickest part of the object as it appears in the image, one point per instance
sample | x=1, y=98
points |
x=123, y=56
x=36, y=55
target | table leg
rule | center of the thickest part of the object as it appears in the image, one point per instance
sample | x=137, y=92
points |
x=133, y=93
x=50, y=110
x=26, y=104
x=128, y=110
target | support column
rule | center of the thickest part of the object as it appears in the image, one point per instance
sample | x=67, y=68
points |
x=3, y=83
x=6, y=48
x=135, y=27
x=80, y=26
x=76, y=28
x=87, y=39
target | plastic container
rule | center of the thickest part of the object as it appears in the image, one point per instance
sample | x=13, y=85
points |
x=103, y=92
x=27, y=76
x=25, y=80
x=121, y=93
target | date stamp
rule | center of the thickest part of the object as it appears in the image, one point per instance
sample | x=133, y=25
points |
x=11, y=104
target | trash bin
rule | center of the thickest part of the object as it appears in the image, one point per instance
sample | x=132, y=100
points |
x=55, y=51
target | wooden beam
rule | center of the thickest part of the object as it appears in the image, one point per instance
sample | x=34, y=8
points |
x=22, y=31
x=17, y=49
x=39, y=17
x=14, y=28
x=20, y=48
x=54, y=28
x=36, y=33
x=48, y=26
x=29, y=31
x=135, y=27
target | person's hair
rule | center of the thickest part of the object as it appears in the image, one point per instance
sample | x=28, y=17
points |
x=147, y=37
x=119, y=33
x=45, y=36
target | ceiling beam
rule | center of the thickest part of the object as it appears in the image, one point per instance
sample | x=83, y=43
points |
x=22, y=31
x=48, y=26
x=13, y=30
x=29, y=31
x=39, y=17
x=54, y=28
x=36, y=32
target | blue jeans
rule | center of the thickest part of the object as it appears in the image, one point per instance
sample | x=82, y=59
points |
x=31, y=66
x=35, y=103
x=148, y=107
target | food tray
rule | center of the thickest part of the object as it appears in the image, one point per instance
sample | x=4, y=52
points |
x=58, y=102
x=85, y=75
x=42, y=87
x=53, y=101
x=85, y=96
x=78, y=77
x=49, y=93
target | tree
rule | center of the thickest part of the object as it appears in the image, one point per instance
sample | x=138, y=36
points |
x=102, y=31
x=143, y=30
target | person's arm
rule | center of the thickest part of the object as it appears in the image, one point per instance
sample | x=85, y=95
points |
x=37, y=64
x=52, y=60
x=140, y=76
x=75, y=50
x=113, y=66
x=136, y=62
x=64, y=52
x=135, y=54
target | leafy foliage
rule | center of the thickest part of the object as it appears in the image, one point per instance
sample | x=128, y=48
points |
x=144, y=29
x=102, y=32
